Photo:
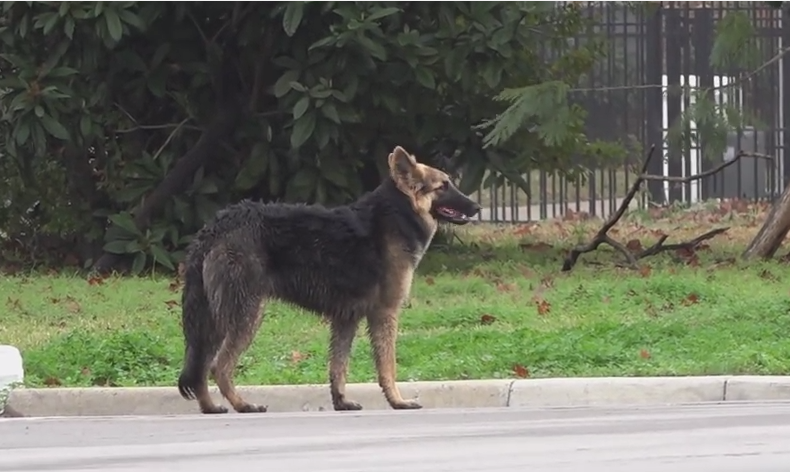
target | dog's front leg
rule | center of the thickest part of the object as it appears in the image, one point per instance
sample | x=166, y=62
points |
x=383, y=330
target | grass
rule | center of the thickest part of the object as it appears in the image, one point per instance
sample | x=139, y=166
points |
x=495, y=307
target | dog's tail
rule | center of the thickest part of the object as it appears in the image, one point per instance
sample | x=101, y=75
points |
x=201, y=335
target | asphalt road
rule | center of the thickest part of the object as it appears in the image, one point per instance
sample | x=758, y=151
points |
x=706, y=438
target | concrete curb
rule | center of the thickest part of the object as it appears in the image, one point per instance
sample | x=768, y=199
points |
x=558, y=392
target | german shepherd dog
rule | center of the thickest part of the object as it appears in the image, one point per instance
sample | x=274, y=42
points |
x=344, y=263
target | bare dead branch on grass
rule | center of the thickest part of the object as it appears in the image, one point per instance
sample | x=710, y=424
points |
x=602, y=236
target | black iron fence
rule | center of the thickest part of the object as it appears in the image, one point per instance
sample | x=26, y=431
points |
x=656, y=56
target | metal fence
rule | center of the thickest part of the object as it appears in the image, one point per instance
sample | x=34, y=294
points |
x=668, y=46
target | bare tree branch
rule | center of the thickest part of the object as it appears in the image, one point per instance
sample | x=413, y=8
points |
x=709, y=172
x=691, y=245
x=602, y=235
x=162, y=126
x=169, y=138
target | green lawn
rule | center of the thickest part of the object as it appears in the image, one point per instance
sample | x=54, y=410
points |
x=495, y=307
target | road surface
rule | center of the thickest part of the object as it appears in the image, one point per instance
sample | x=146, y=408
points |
x=703, y=438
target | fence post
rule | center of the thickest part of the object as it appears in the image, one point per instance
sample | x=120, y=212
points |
x=785, y=94
x=654, y=99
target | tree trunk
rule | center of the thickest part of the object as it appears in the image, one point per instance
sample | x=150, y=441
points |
x=774, y=230
x=179, y=177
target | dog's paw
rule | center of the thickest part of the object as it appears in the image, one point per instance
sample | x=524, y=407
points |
x=347, y=405
x=252, y=408
x=214, y=410
x=406, y=405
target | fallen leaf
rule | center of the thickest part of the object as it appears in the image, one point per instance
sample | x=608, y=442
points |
x=522, y=230
x=740, y=205
x=174, y=286
x=537, y=247
x=487, y=319
x=297, y=357
x=104, y=382
x=765, y=274
x=544, y=307
x=429, y=280
x=644, y=354
x=72, y=304
x=85, y=371
x=571, y=215
x=693, y=261
x=656, y=212
x=690, y=299
x=52, y=382
x=171, y=303
x=503, y=287
x=606, y=300
x=520, y=371
x=547, y=282
x=645, y=270
x=94, y=280
x=684, y=253
x=634, y=245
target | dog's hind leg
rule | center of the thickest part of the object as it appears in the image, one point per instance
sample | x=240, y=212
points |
x=203, y=339
x=343, y=331
x=235, y=286
x=238, y=340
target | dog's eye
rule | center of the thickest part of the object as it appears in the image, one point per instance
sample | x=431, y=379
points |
x=444, y=185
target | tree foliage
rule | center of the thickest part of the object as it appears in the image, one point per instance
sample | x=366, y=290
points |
x=126, y=125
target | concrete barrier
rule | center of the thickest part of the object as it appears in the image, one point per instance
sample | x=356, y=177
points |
x=12, y=373
x=616, y=391
x=167, y=401
x=556, y=392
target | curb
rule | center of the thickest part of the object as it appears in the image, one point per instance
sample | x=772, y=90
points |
x=555, y=392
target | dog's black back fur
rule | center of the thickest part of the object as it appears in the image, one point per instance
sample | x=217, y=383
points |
x=310, y=245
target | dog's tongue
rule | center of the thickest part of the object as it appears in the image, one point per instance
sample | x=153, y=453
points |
x=451, y=213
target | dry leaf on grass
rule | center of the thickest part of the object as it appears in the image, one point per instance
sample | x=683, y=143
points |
x=520, y=371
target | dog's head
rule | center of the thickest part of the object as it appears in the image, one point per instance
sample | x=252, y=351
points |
x=430, y=190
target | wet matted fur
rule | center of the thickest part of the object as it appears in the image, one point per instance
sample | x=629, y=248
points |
x=346, y=263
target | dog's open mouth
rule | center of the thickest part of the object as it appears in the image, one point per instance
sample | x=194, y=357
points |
x=450, y=215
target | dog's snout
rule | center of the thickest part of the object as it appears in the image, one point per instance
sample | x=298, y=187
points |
x=476, y=207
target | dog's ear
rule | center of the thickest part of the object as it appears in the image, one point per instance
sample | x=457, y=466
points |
x=403, y=168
